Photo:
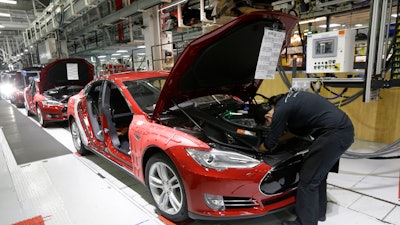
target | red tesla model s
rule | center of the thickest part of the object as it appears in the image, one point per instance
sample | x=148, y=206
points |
x=185, y=133
x=47, y=95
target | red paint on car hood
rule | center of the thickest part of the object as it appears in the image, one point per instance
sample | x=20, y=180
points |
x=55, y=74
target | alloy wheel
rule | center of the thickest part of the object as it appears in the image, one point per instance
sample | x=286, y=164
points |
x=166, y=188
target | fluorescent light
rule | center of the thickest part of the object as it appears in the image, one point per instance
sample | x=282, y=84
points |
x=394, y=15
x=115, y=54
x=141, y=46
x=121, y=51
x=172, y=5
x=332, y=25
x=8, y=2
x=101, y=56
x=5, y=14
x=358, y=25
x=318, y=19
x=1, y=26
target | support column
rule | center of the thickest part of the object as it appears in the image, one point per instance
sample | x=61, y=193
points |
x=151, y=32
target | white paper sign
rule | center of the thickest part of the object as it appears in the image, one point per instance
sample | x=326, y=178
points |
x=269, y=54
x=72, y=71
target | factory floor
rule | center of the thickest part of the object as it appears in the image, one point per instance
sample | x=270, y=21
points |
x=53, y=185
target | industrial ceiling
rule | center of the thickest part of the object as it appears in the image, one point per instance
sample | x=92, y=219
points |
x=84, y=22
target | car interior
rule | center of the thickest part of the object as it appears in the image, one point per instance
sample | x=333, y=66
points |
x=118, y=116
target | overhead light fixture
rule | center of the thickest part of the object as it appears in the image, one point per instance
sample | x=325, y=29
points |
x=318, y=19
x=332, y=25
x=115, y=54
x=122, y=51
x=172, y=5
x=101, y=56
x=358, y=25
x=141, y=46
x=8, y=2
x=1, y=26
x=5, y=14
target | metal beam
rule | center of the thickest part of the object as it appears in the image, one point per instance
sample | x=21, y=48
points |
x=133, y=9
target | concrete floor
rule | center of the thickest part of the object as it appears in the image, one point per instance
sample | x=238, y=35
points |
x=70, y=189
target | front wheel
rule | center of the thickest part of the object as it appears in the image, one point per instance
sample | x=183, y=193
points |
x=28, y=112
x=42, y=122
x=166, y=188
x=76, y=139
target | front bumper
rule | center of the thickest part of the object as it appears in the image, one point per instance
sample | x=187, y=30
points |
x=242, y=191
x=54, y=113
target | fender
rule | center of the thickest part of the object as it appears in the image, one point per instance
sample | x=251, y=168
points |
x=84, y=138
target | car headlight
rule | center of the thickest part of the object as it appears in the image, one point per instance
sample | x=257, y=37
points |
x=6, y=88
x=52, y=103
x=221, y=160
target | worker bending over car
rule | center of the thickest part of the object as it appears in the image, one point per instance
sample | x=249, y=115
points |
x=307, y=114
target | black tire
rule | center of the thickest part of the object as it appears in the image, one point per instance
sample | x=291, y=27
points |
x=166, y=189
x=76, y=138
x=28, y=112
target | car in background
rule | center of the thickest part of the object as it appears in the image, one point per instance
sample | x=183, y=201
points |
x=21, y=81
x=186, y=133
x=47, y=95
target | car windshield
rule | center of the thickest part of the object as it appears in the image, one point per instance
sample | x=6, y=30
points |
x=145, y=92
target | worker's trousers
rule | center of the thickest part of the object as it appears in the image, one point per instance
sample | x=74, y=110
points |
x=324, y=152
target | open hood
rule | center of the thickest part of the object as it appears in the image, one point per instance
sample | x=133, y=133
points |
x=224, y=60
x=69, y=71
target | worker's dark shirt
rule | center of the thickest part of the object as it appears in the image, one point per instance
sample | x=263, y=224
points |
x=304, y=113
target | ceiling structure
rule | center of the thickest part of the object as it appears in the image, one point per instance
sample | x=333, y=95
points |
x=14, y=19
x=92, y=27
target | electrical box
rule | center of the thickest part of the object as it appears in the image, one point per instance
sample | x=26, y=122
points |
x=49, y=52
x=331, y=52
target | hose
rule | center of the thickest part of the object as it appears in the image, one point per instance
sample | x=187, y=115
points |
x=391, y=148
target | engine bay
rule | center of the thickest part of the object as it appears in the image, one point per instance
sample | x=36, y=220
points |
x=62, y=93
x=226, y=122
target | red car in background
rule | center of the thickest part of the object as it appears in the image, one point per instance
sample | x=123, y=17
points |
x=47, y=95
x=21, y=81
x=185, y=133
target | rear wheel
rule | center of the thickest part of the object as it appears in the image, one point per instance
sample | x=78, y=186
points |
x=76, y=139
x=166, y=188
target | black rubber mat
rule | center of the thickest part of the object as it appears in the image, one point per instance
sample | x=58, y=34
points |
x=28, y=141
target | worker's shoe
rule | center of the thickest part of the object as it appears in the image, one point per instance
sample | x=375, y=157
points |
x=291, y=223
x=322, y=218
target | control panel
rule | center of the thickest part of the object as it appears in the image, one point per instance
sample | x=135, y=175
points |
x=330, y=52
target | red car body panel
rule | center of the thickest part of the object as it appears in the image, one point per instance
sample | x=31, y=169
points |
x=52, y=76
x=149, y=134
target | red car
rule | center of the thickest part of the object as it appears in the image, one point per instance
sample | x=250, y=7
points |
x=47, y=95
x=185, y=134
x=21, y=81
